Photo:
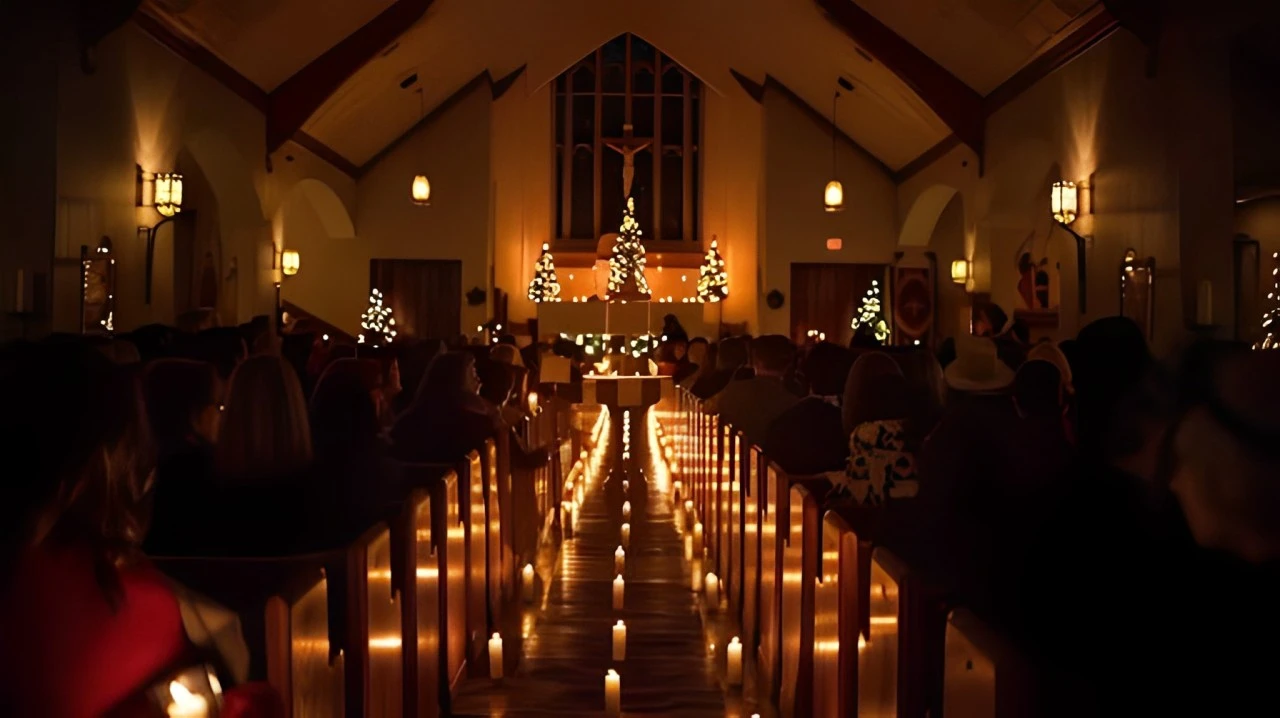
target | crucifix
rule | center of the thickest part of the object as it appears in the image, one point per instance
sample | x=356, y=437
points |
x=627, y=146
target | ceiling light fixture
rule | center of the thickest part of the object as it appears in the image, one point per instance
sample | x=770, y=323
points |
x=421, y=188
x=833, y=194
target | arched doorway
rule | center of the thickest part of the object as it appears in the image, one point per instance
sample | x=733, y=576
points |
x=932, y=237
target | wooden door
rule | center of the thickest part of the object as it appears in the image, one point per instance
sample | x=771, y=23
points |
x=425, y=295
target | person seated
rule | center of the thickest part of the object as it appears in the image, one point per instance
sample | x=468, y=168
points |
x=701, y=360
x=731, y=356
x=447, y=419
x=876, y=413
x=259, y=500
x=752, y=405
x=809, y=438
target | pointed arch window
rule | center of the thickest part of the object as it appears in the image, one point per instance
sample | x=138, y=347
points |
x=628, y=81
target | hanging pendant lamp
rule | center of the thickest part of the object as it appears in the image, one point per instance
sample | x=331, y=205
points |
x=833, y=195
x=421, y=188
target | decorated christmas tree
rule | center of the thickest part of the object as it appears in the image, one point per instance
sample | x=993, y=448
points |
x=713, y=283
x=378, y=324
x=544, y=287
x=626, y=266
x=1269, y=317
x=869, y=321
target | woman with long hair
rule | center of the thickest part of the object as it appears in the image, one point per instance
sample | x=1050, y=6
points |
x=876, y=412
x=264, y=435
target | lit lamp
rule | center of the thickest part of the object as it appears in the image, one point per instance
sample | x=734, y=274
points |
x=421, y=191
x=833, y=196
x=1064, y=200
x=290, y=262
x=960, y=271
x=166, y=200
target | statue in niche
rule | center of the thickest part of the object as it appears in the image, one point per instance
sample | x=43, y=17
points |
x=627, y=146
x=1037, y=276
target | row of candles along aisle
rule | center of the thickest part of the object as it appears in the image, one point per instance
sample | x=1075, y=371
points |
x=585, y=474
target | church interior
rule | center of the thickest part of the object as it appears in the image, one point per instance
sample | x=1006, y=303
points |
x=756, y=358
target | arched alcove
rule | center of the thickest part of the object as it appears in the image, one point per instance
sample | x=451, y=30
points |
x=333, y=276
x=933, y=235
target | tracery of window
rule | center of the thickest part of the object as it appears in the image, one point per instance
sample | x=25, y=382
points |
x=625, y=82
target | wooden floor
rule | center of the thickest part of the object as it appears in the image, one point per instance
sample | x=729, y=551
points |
x=667, y=670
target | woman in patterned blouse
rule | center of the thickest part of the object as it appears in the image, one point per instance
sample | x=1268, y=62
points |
x=876, y=410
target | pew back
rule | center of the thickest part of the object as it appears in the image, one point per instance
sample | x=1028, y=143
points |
x=983, y=676
x=878, y=665
x=799, y=574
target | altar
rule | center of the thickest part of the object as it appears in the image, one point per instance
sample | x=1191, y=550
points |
x=629, y=318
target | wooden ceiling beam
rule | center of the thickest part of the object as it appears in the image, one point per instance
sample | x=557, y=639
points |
x=291, y=104
x=956, y=104
x=1095, y=30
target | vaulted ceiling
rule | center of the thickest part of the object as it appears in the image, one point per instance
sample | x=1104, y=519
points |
x=972, y=46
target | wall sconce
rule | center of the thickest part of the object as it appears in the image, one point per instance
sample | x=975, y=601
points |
x=960, y=271
x=1064, y=203
x=421, y=191
x=1064, y=200
x=166, y=198
x=290, y=262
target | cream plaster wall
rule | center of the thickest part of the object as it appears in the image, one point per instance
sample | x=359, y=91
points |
x=796, y=167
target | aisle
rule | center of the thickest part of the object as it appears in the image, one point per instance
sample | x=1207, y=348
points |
x=666, y=670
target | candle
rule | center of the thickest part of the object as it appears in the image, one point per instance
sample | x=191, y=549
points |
x=688, y=511
x=619, y=641
x=688, y=547
x=1204, y=303
x=697, y=539
x=619, y=559
x=711, y=586
x=618, y=587
x=734, y=656
x=626, y=486
x=612, y=692
x=19, y=293
x=526, y=583
x=185, y=703
x=495, y=657
x=695, y=575
x=711, y=650
x=679, y=518
x=677, y=488
x=626, y=510
x=626, y=535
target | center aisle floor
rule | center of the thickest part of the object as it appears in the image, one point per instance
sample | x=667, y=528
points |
x=666, y=670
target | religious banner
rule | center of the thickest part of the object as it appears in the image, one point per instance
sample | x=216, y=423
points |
x=913, y=304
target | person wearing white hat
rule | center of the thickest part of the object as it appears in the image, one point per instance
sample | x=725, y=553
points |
x=977, y=367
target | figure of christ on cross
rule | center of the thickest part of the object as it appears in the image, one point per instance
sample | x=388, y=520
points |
x=627, y=146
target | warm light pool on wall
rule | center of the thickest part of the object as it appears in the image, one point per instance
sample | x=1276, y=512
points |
x=162, y=191
x=833, y=194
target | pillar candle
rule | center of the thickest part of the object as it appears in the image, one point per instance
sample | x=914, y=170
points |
x=495, y=657
x=734, y=666
x=679, y=519
x=626, y=487
x=688, y=547
x=695, y=575
x=626, y=535
x=1204, y=303
x=711, y=586
x=626, y=510
x=618, y=587
x=677, y=488
x=526, y=582
x=619, y=559
x=612, y=693
x=619, y=641
x=697, y=539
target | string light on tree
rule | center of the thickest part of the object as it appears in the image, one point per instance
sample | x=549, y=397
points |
x=713, y=282
x=1269, y=317
x=626, y=266
x=378, y=324
x=545, y=287
x=869, y=318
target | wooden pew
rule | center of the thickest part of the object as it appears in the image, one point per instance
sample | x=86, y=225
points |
x=752, y=541
x=416, y=572
x=295, y=626
x=901, y=668
x=800, y=559
x=840, y=617
x=376, y=676
x=730, y=511
x=983, y=676
x=494, y=577
x=471, y=509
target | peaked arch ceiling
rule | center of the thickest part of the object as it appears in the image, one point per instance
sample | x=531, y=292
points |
x=981, y=42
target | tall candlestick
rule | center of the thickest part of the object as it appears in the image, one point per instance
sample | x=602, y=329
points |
x=619, y=641
x=695, y=575
x=711, y=587
x=612, y=693
x=688, y=513
x=618, y=587
x=619, y=559
x=679, y=518
x=697, y=539
x=688, y=547
x=626, y=535
x=626, y=510
x=734, y=666
x=495, y=657
x=526, y=583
